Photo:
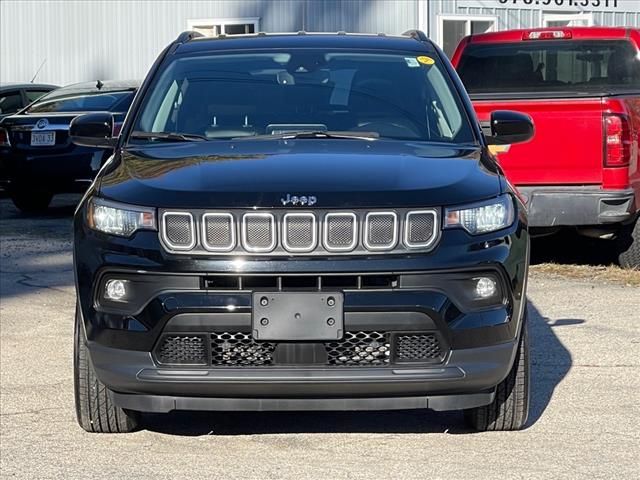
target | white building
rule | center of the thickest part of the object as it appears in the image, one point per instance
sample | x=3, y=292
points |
x=78, y=40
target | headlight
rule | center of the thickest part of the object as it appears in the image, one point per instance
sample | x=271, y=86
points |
x=482, y=217
x=118, y=218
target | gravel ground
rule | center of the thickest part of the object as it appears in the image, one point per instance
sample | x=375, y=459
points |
x=584, y=420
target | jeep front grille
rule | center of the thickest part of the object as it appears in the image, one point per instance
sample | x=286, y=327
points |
x=282, y=232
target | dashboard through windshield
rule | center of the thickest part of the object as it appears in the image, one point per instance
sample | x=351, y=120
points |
x=249, y=94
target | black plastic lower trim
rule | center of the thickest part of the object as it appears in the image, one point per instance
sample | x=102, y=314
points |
x=164, y=404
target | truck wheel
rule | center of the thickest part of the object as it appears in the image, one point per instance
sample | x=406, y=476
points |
x=628, y=243
x=30, y=202
x=94, y=409
x=510, y=408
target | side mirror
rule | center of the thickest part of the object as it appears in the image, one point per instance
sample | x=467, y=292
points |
x=509, y=127
x=93, y=130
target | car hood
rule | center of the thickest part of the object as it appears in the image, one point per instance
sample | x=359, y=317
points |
x=338, y=173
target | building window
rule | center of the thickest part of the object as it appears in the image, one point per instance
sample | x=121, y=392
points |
x=224, y=26
x=567, y=19
x=453, y=28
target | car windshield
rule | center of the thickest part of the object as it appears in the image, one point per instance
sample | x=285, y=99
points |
x=550, y=66
x=356, y=95
x=83, y=102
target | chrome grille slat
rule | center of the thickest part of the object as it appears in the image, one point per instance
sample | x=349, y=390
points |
x=340, y=231
x=381, y=230
x=299, y=232
x=218, y=232
x=258, y=232
x=420, y=228
x=178, y=230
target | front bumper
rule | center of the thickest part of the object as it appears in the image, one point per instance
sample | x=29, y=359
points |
x=477, y=344
x=554, y=206
x=465, y=381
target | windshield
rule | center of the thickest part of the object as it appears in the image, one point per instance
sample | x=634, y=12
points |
x=396, y=96
x=550, y=66
x=88, y=102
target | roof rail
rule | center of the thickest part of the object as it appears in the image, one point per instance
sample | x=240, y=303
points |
x=184, y=37
x=417, y=34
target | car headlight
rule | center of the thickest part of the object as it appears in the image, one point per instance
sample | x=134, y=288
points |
x=118, y=218
x=484, y=217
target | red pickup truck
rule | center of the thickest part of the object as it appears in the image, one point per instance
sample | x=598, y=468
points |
x=581, y=86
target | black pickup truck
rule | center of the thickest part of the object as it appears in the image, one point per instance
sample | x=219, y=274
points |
x=301, y=222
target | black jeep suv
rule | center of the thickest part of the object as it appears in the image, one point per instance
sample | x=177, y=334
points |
x=301, y=222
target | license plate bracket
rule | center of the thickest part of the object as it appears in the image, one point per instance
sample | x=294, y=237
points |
x=297, y=316
x=43, y=139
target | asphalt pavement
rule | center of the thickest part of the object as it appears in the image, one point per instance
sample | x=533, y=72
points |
x=584, y=420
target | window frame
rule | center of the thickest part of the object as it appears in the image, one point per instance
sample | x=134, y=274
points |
x=192, y=24
x=559, y=17
x=467, y=27
x=22, y=96
x=26, y=91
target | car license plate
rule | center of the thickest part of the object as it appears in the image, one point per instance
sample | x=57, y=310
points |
x=43, y=139
x=297, y=316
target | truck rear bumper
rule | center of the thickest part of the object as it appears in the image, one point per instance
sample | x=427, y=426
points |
x=554, y=206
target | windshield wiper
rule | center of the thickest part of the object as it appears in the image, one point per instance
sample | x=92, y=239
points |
x=170, y=136
x=311, y=134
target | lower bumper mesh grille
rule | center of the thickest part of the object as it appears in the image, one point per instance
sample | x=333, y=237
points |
x=417, y=347
x=356, y=349
x=360, y=349
x=182, y=349
x=240, y=350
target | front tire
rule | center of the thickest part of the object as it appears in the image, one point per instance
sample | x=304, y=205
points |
x=628, y=243
x=510, y=407
x=95, y=410
x=31, y=202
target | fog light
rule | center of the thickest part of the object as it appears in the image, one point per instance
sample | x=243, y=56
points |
x=485, y=287
x=115, y=290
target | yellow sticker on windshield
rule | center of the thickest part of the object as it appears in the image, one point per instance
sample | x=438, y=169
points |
x=423, y=59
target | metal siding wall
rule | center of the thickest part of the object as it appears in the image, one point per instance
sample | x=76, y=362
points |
x=86, y=40
x=362, y=16
x=627, y=19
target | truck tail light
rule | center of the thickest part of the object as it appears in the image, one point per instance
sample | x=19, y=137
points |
x=547, y=35
x=617, y=140
x=4, y=138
